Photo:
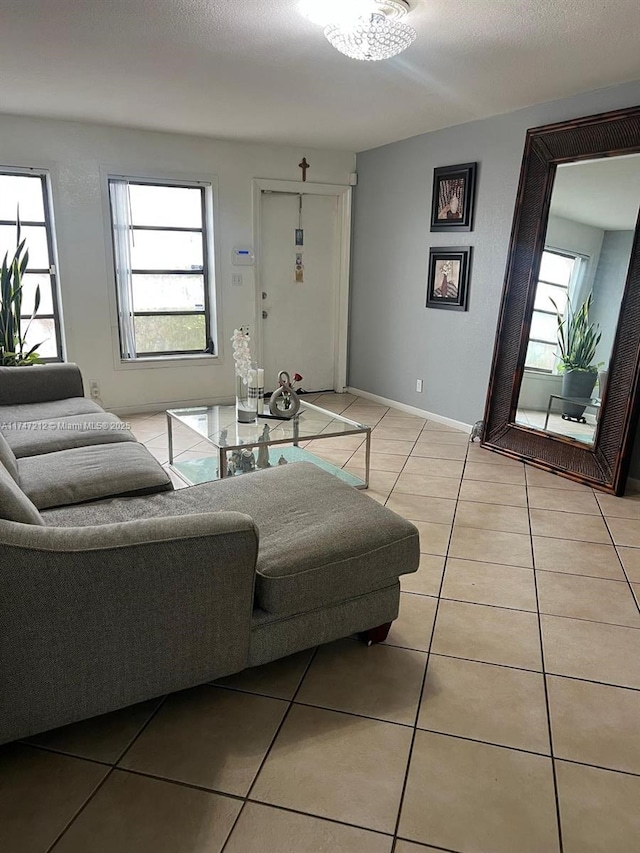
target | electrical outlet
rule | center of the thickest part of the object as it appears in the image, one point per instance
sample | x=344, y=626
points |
x=236, y=279
x=94, y=389
x=419, y=386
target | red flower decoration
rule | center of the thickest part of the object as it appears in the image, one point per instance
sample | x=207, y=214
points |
x=297, y=377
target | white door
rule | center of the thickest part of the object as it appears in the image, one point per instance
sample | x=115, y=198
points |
x=299, y=318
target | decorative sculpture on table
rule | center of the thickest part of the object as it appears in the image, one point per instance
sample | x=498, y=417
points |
x=263, y=450
x=241, y=462
x=284, y=402
x=248, y=463
x=234, y=463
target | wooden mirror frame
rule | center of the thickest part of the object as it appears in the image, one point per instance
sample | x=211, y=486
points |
x=604, y=464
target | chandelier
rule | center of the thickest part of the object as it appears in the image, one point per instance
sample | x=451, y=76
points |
x=363, y=29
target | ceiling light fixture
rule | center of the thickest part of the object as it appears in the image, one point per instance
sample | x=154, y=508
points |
x=369, y=30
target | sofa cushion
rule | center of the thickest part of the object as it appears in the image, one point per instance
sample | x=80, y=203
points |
x=90, y=473
x=43, y=411
x=14, y=504
x=39, y=383
x=32, y=438
x=321, y=541
x=8, y=458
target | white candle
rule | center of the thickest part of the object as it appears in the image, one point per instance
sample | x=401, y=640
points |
x=260, y=378
x=253, y=379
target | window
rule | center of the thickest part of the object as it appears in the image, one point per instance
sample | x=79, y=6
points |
x=28, y=193
x=161, y=242
x=557, y=273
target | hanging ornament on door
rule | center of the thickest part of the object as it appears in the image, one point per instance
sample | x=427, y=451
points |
x=284, y=402
x=299, y=239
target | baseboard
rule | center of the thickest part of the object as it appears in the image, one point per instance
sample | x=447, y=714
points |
x=411, y=410
x=169, y=404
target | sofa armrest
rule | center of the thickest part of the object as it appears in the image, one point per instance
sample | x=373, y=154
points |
x=97, y=618
x=39, y=383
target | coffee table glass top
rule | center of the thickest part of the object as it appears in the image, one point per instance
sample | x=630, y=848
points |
x=242, y=448
x=218, y=425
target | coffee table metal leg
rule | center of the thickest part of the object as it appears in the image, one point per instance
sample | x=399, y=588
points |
x=170, y=438
x=222, y=463
x=367, y=459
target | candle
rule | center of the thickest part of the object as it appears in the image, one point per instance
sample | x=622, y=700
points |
x=260, y=391
x=253, y=379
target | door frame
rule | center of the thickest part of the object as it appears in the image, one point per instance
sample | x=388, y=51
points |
x=341, y=317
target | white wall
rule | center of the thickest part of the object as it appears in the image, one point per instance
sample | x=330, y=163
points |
x=609, y=284
x=79, y=156
x=536, y=388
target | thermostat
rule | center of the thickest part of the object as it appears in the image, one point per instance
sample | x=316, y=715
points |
x=243, y=256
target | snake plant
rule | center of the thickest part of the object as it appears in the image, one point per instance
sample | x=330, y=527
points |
x=13, y=330
x=577, y=338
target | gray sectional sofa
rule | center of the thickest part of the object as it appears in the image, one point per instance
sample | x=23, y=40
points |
x=115, y=589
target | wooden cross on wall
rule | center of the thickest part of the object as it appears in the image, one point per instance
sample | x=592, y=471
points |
x=304, y=166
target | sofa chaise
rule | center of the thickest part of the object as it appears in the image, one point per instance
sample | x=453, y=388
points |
x=109, y=602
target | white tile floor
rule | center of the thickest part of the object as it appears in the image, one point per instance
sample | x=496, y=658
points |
x=501, y=716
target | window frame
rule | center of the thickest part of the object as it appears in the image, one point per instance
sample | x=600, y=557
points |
x=564, y=253
x=207, y=216
x=52, y=272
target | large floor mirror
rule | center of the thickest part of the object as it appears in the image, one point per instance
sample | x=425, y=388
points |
x=564, y=387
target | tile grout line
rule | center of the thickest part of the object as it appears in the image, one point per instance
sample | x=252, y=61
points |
x=406, y=461
x=615, y=548
x=112, y=768
x=79, y=811
x=426, y=669
x=544, y=676
x=247, y=796
x=334, y=820
x=522, y=610
x=242, y=799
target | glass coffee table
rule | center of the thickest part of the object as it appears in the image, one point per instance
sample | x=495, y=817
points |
x=244, y=448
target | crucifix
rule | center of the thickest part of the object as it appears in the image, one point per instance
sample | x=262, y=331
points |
x=304, y=166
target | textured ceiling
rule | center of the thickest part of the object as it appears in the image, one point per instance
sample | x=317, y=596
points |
x=257, y=70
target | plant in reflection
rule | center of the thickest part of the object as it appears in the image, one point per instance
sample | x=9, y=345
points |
x=578, y=339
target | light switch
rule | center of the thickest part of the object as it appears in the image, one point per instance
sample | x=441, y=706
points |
x=236, y=279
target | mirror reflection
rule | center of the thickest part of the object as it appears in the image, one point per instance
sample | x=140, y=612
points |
x=583, y=271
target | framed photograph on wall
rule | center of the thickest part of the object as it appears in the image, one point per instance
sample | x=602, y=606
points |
x=448, y=278
x=453, y=199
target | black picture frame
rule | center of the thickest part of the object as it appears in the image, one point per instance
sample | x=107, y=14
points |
x=453, y=186
x=452, y=294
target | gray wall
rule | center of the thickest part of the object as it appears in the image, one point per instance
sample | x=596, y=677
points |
x=608, y=286
x=394, y=339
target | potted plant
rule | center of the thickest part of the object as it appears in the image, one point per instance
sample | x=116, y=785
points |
x=577, y=341
x=13, y=338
